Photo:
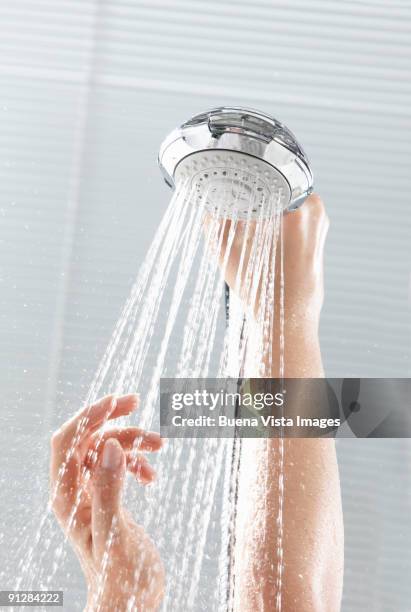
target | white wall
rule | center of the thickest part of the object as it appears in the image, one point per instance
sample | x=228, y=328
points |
x=87, y=92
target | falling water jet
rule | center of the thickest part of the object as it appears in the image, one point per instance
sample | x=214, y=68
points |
x=242, y=146
x=239, y=167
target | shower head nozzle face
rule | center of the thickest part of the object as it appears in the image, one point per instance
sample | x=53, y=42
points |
x=237, y=162
x=231, y=184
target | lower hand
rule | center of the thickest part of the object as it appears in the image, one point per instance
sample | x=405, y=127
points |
x=88, y=470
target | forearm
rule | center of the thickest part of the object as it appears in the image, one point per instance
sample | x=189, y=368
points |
x=312, y=538
x=302, y=354
x=312, y=519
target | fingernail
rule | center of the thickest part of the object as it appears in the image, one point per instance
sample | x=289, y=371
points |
x=112, y=455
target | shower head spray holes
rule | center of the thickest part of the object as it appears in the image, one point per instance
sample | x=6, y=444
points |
x=232, y=184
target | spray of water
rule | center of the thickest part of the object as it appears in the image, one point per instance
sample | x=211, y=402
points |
x=174, y=324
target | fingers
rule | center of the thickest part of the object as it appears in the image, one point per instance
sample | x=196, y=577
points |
x=317, y=224
x=66, y=455
x=139, y=466
x=108, y=482
x=90, y=418
x=127, y=436
x=136, y=463
x=314, y=201
x=313, y=210
x=308, y=224
x=76, y=431
x=130, y=438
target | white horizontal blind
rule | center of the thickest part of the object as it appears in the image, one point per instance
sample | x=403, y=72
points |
x=87, y=92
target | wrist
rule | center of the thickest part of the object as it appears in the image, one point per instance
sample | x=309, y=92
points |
x=109, y=600
x=106, y=601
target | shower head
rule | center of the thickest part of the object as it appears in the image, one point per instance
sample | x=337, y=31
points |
x=238, y=162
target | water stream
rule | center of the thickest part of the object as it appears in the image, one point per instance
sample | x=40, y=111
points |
x=174, y=324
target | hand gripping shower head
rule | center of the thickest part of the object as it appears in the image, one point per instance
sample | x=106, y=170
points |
x=238, y=162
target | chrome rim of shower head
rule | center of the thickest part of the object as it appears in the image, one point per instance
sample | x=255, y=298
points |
x=238, y=161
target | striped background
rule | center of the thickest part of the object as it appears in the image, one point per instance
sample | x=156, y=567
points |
x=88, y=90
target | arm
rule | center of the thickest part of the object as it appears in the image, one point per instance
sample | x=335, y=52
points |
x=312, y=517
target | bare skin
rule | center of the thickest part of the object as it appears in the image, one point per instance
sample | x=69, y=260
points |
x=94, y=519
x=313, y=532
x=312, y=514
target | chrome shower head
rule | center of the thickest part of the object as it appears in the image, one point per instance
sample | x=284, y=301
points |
x=238, y=162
